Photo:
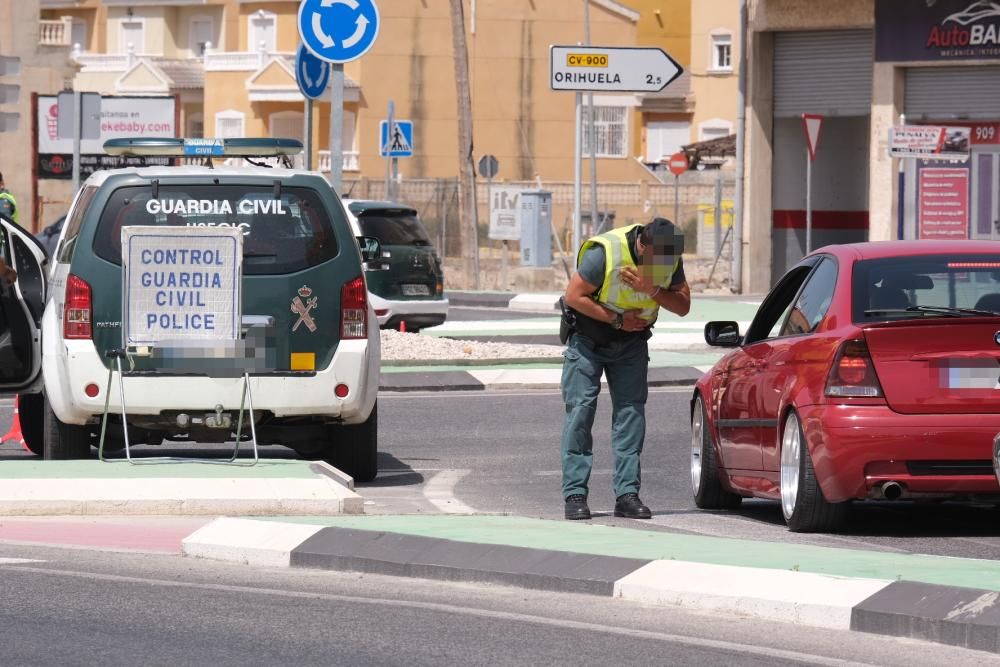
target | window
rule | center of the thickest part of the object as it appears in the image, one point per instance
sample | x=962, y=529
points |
x=394, y=227
x=78, y=34
x=664, y=138
x=722, y=52
x=287, y=125
x=262, y=31
x=202, y=34
x=714, y=129
x=228, y=124
x=772, y=312
x=133, y=33
x=611, y=125
x=65, y=251
x=285, y=235
x=814, y=300
x=196, y=125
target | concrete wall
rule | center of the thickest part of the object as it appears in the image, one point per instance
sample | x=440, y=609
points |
x=771, y=15
x=756, y=277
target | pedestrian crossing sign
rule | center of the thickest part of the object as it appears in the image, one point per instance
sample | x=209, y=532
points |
x=399, y=142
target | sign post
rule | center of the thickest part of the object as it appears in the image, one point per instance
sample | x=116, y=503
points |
x=489, y=166
x=337, y=31
x=312, y=75
x=812, y=124
x=677, y=164
x=79, y=118
x=605, y=69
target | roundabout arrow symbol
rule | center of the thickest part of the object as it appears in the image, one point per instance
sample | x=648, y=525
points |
x=359, y=32
x=317, y=27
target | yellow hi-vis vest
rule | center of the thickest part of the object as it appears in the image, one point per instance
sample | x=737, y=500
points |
x=13, y=203
x=614, y=292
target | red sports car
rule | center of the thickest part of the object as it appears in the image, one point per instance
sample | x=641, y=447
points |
x=871, y=371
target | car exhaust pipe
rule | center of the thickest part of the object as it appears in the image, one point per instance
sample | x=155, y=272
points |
x=892, y=490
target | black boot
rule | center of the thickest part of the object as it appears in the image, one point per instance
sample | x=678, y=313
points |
x=629, y=506
x=576, y=507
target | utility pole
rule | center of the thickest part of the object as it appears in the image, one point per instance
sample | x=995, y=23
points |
x=591, y=129
x=468, y=207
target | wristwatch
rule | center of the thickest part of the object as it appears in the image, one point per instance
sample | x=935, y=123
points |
x=619, y=321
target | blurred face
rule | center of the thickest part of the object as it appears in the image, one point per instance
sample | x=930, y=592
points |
x=657, y=259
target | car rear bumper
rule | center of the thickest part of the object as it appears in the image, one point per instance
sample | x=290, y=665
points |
x=355, y=363
x=855, y=449
x=416, y=313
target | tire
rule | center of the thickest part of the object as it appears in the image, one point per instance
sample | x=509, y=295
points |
x=706, y=478
x=64, y=441
x=31, y=413
x=354, y=449
x=802, y=502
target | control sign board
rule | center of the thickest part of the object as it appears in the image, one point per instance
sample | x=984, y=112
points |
x=505, y=213
x=611, y=69
x=181, y=284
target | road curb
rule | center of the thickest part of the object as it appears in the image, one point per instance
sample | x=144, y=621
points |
x=957, y=616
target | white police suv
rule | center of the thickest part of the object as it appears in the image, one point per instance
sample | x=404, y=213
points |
x=301, y=272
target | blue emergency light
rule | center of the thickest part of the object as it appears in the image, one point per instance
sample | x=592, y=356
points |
x=221, y=148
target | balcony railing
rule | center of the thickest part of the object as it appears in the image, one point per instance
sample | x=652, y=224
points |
x=239, y=61
x=104, y=62
x=351, y=161
x=55, y=33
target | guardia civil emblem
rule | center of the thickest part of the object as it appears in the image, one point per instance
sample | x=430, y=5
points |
x=303, y=305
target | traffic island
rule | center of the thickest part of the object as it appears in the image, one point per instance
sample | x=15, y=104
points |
x=90, y=487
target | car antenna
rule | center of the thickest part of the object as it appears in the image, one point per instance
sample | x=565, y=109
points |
x=156, y=188
x=277, y=189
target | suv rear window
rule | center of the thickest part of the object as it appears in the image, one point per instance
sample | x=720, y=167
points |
x=883, y=289
x=393, y=227
x=281, y=235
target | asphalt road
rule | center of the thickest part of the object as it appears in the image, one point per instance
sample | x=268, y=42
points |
x=467, y=314
x=499, y=452
x=73, y=607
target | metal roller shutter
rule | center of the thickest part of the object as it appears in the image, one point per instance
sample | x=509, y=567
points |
x=943, y=93
x=827, y=72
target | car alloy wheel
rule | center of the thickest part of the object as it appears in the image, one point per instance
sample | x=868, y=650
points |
x=791, y=465
x=697, y=433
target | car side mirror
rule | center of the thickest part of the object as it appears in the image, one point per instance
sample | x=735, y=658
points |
x=371, y=248
x=723, y=334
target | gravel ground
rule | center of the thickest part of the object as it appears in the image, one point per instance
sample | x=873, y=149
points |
x=398, y=346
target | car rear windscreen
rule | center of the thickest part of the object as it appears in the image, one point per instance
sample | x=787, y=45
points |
x=884, y=289
x=280, y=235
x=394, y=227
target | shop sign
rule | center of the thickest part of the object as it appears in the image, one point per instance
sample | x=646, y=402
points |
x=906, y=30
x=930, y=142
x=943, y=203
x=120, y=117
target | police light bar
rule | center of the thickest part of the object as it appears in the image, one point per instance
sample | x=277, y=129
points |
x=221, y=148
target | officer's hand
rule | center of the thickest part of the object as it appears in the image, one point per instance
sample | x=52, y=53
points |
x=8, y=276
x=635, y=279
x=632, y=322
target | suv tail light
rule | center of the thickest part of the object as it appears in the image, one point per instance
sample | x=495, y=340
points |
x=853, y=373
x=354, y=310
x=78, y=309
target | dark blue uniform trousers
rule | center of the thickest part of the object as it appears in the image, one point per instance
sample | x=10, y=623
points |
x=625, y=363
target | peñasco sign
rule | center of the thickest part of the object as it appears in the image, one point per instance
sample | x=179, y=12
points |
x=906, y=30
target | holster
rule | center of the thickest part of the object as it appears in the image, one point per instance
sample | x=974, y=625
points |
x=573, y=321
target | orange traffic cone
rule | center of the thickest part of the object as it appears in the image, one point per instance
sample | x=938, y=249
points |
x=14, y=434
x=402, y=326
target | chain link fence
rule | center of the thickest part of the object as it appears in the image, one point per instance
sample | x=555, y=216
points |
x=693, y=198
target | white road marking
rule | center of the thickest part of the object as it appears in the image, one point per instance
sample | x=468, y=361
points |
x=459, y=610
x=19, y=561
x=440, y=492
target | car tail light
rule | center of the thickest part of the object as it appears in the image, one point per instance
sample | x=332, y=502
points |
x=78, y=309
x=853, y=373
x=354, y=310
x=341, y=390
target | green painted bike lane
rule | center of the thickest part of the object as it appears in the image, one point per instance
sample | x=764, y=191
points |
x=634, y=543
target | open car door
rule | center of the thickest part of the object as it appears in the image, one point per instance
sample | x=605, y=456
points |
x=21, y=306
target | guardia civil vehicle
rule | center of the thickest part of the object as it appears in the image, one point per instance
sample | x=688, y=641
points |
x=301, y=267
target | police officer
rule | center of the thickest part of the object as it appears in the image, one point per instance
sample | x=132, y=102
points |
x=623, y=278
x=8, y=205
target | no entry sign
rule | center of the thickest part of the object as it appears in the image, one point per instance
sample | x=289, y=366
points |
x=677, y=164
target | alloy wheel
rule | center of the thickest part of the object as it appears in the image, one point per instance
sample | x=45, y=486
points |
x=697, y=434
x=790, y=465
